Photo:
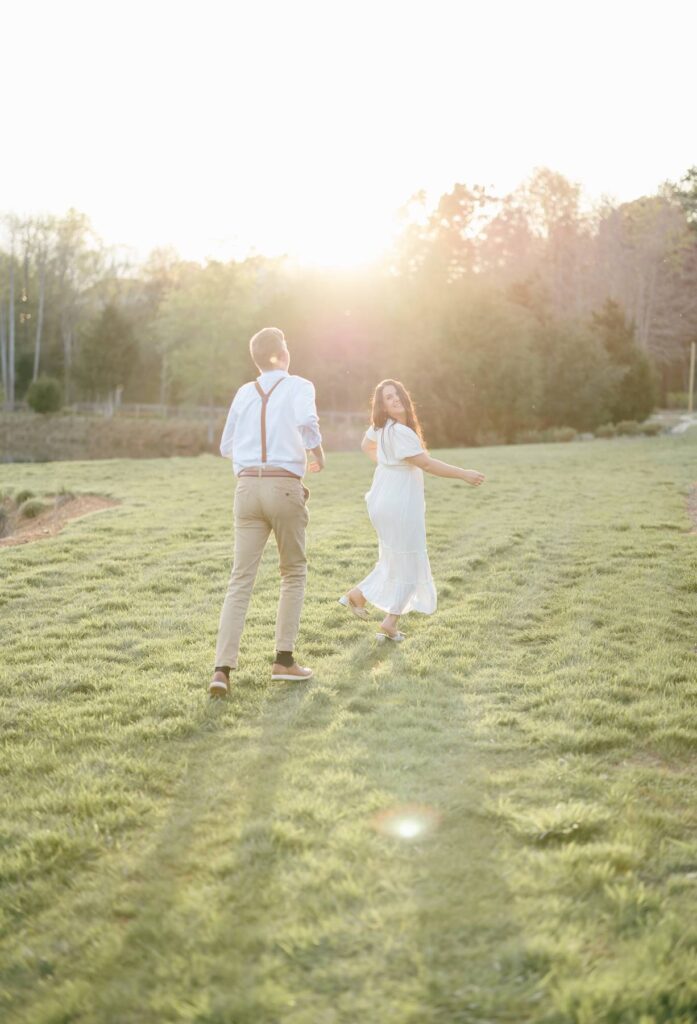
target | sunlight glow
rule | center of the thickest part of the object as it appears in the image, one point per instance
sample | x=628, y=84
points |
x=409, y=828
x=302, y=129
x=413, y=821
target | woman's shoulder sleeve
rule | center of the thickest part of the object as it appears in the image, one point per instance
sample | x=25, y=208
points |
x=407, y=442
x=371, y=434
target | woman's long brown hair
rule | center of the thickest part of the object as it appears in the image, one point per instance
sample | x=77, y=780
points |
x=379, y=415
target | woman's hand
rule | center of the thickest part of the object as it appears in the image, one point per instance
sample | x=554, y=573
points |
x=471, y=476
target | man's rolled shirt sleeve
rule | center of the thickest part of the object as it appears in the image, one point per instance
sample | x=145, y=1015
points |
x=307, y=419
x=228, y=433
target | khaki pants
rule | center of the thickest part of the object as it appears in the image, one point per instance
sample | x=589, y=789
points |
x=263, y=504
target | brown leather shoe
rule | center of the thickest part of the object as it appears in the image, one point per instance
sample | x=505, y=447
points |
x=219, y=686
x=293, y=673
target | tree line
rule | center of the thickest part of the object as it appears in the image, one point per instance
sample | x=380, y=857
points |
x=500, y=314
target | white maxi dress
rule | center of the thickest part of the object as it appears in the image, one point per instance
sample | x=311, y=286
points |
x=401, y=581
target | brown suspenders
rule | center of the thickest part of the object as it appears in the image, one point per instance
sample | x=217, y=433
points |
x=265, y=396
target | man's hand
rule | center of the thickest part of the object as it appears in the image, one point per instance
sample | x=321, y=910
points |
x=317, y=460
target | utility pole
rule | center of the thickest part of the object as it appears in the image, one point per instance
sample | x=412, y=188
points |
x=11, y=336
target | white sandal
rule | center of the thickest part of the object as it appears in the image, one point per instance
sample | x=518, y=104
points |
x=361, y=613
x=396, y=638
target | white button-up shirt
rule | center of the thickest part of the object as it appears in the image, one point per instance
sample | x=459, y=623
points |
x=292, y=425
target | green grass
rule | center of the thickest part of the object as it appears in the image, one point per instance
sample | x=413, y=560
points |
x=168, y=859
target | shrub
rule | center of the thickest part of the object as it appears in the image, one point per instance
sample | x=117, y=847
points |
x=606, y=430
x=32, y=508
x=552, y=435
x=629, y=428
x=652, y=429
x=488, y=438
x=22, y=496
x=529, y=437
x=559, y=434
x=45, y=395
x=677, y=400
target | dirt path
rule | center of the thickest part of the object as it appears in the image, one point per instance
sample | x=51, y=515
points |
x=52, y=521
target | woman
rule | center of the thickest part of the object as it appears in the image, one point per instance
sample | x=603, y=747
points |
x=401, y=581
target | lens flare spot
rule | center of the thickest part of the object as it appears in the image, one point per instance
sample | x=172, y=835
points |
x=409, y=828
x=411, y=821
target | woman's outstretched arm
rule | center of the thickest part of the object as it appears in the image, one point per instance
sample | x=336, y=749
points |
x=438, y=468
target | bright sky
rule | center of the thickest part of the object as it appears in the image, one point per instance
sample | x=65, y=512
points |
x=301, y=126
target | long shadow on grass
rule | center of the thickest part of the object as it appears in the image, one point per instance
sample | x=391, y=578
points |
x=446, y=891
x=464, y=937
x=208, y=874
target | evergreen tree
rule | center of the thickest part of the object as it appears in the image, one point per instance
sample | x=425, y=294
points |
x=634, y=394
x=107, y=354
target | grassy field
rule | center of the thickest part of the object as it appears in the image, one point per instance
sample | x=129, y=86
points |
x=168, y=859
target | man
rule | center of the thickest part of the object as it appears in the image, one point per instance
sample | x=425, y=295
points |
x=271, y=425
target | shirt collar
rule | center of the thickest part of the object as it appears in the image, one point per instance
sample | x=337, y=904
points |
x=272, y=375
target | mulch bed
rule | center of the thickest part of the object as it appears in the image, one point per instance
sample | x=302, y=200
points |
x=52, y=521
